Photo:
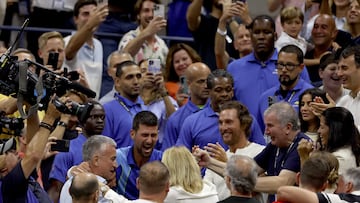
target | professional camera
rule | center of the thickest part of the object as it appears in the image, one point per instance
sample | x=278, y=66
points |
x=11, y=126
x=82, y=111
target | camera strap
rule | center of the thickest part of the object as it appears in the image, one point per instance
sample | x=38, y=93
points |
x=23, y=71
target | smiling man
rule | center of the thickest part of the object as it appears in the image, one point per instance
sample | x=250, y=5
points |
x=349, y=73
x=143, y=43
x=289, y=66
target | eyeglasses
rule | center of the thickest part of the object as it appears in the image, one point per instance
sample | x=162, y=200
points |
x=288, y=66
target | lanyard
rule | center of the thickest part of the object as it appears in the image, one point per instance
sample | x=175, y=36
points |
x=284, y=157
x=122, y=104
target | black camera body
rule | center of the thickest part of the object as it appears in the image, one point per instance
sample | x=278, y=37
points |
x=11, y=126
x=82, y=111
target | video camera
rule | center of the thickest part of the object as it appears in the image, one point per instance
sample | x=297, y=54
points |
x=19, y=82
x=82, y=111
x=11, y=126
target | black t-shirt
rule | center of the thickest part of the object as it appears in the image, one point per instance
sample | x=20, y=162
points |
x=235, y=199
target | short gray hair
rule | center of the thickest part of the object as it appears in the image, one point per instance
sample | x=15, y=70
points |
x=352, y=175
x=242, y=171
x=95, y=144
x=285, y=114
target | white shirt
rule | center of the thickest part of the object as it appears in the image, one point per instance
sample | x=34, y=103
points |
x=286, y=39
x=346, y=159
x=353, y=105
x=251, y=150
x=90, y=60
x=208, y=194
x=61, y=5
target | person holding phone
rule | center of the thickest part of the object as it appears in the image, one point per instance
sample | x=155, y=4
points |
x=144, y=43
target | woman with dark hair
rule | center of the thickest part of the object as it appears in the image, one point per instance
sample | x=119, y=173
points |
x=339, y=135
x=309, y=122
x=180, y=56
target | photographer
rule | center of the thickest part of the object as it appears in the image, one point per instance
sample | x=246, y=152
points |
x=92, y=124
x=18, y=183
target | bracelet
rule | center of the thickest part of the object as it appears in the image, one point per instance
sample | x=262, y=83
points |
x=46, y=125
x=61, y=123
x=220, y=32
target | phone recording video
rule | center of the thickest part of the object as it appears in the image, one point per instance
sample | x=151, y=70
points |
x=159, y=10
x=53, y=60
x=154, y=66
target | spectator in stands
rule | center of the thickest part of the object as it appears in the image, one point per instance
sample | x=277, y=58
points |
x=202, y=128
x=120, y=21
x=113, y=60
x=130, y=159
x=144, y=43
x=332, y=84
x=340, y=136
x=323, y=35
x=350, y=192
x=256, y=72
x=100, y=153
x=84, y=52
x=241, y=42
x=289, y=67
x=196, y=75
x=204, y=28
x=126, y=103
x=49, y=14
x=309, y=122
x=84, y=188
x=51, y=42
x=179, y=58
x=234, y=125
x=280, y=159
x=92, y=125
x=292, y=19
x=353, y=20
x=186, y=183
x=240, y=177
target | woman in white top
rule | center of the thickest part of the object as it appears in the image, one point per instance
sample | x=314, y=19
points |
x=186, y=184
x=340, y=136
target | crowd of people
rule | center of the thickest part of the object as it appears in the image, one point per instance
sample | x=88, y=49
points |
x=255, y=109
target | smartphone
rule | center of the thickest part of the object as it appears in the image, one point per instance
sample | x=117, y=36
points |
x=159, y=10
x=154, y=66
x=61, y=146
x=53, y=60
x=183, y=85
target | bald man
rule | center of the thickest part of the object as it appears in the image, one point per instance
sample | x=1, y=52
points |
x=323, y=34
x=114, y=58
x=84, y=188
x=196, y=76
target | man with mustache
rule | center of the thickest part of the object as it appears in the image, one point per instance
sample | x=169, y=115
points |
x=143, y=43
x=202, y=128
x=289, y=66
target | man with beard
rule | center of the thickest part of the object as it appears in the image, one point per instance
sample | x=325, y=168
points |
x=289, y=66
x=126, y=104
x=202, y=128
x=92, y=125
x=256, y=72
x=144, y=133
x=143, y=43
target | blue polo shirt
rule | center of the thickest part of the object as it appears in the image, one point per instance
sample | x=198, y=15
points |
x=65, y=160
x=202, y=128
x=119, y=114
x=128, y=171
x=292, y=97
x=252, y=78
x=285, y=158
x=175, y=122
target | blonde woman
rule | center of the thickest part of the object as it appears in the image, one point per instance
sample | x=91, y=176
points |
x=186, y=184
